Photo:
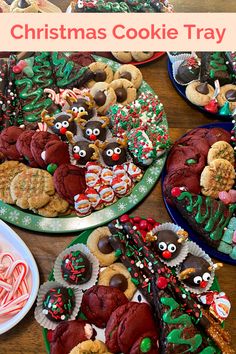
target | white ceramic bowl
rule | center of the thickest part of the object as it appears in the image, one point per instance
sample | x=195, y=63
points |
x=14, y=242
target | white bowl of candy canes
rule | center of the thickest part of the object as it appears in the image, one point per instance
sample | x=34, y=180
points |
x=19, y=278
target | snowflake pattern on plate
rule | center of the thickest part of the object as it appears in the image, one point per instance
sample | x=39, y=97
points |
x=133, y=199
x=3, y=211
x=26, y=220
x=14, y=216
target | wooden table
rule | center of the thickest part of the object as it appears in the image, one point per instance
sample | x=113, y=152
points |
x=183, y=5
x=26, y=338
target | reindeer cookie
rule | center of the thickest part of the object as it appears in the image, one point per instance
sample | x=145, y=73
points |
x=60, y=124
x=81, y=107
x=81, y=150
x=114, y=152
x=96, y=129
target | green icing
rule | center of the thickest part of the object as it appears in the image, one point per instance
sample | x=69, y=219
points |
x=65, y=70
x=175, y=336
x=214, y=219
x=217, y=63
x=208, y=350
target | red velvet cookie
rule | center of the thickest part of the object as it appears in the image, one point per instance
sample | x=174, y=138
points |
x=38, y=143
x=69, y=180
x=182, y=177
x=185, y=157
x=99, y=302
x=57, y=152
x=218, y=134
x=196, y=141
x=68, y=334
x=126, y=330
x=23, y=146
x=8, y=139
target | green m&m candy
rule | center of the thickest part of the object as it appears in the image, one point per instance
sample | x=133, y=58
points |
x=146, y=345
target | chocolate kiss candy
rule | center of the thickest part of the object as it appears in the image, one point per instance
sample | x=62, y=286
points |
x=100, y=98
x=203, y=88
x=100, y=75
x=231, y=95
x=212, y=106
x=104, y=245
x=225, y=110
x=121, y=94
x=119, y=281
x=126, y=75
x=9, y=2
x=23, y=4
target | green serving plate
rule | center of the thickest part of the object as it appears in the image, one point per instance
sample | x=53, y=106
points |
x=60, y=225
x=82, y=238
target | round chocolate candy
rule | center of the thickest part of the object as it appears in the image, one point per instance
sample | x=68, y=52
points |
x=100, y=76
x=100, y=98
x=114, y=154
x=199, y=274
x=58, y=304
x=119, y=281
x=76, y=268
x=23, y=4
x=82, y=152
x=80, y=106
x=231, y=95
x=167, y=245
x=121, y=94
x=93, y=131
x=104, y=245
x=62, y=124
x=126, y=75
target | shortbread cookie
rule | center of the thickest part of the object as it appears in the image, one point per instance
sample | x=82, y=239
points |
x=217, y=177
x=131, y=73
x=221, y=150
x=98, y=244
x=55, y=207
x=227, y=94
x=199, y=93
x=90, y=347
x=124, y=90
x=8, y=170
x=141, y=56
x=116, y=275
x=104, y=96
x=102, y=73
x=32, y=188
x=123, y=57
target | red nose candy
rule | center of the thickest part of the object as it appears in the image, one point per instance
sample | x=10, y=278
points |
x=166, y=254
x=76, y=156
x=203, y=284
x=162, y=283
x=63, y=130
x=115, y=157
x=175, y=192
x=93, y=137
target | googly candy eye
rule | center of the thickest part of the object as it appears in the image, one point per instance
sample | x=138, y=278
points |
x=197, y=280
x=162, y=246
x=76, y=149
x=171, y=248
x=58, y=125
x=109, y=152
x=117, y=150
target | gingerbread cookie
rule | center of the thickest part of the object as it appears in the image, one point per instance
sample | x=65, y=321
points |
x=123, y=57
x=227, y=94
x=221, y=150
x=141, y=56
x=8, y=170
x=130, y=73
x=104, y=96
x=125, y=91
x=98, y=243
x=90, y=347
x=199, y=93
x=32, y=188
x=117, y=276
x=218, y=176
x=55, y=207
x=102, y=73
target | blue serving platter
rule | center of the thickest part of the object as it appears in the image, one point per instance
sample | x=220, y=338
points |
x=181, y=90
x=181, y=221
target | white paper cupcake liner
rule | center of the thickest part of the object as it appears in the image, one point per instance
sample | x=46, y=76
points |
x=92, y=259
x=38, y=314
x=181, y=56
x=184, y=251
x=195, y=250
x=175, y=67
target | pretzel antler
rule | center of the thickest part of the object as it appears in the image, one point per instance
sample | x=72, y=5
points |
x=123, y=142
x=106, y=121
x=70, y=137
x=183, y=236
x=185, y=274
x=215, y=266
x=95, y=155
x=46, y=118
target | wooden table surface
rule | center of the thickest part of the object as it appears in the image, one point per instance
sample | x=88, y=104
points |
x=183, y=5
x=26, y=338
